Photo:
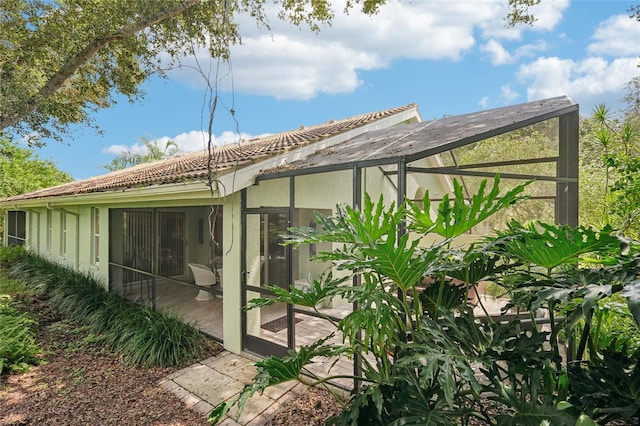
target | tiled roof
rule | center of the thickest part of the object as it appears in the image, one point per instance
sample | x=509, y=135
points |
x=194, y=166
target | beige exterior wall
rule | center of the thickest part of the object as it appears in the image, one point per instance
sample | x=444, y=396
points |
x=232, y=311
x=75, y=246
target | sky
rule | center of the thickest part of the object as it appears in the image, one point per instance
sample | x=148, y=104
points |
x=449, y=57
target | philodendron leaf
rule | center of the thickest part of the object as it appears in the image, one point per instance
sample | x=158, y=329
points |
x=632, y=292
x=585, y=420
x=351, y=225
x=318, y=291
x=459, y=215
x=401, y=262
x=549, y=246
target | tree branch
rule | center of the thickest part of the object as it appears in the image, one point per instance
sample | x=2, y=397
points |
x=72, y=64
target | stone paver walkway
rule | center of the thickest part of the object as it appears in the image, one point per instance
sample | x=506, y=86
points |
x=207, y=384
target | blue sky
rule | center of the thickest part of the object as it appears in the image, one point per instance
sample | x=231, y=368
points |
x=449, y=57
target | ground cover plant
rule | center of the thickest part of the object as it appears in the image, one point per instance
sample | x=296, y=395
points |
x=18, y=349
x=426, y=358
x=145, y=337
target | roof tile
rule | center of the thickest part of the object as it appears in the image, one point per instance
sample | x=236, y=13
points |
x=224, y=159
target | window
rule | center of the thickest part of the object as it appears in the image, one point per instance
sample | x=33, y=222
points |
x=63, y=233
x=96, y=237
x=16, y=231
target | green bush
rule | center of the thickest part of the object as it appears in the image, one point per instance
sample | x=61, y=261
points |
x=144, y=336
x=614, y=327
x=18, y=350
x=9, y=254
x=430, y=359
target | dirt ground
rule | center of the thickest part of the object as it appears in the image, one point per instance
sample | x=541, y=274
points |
x=83, y=383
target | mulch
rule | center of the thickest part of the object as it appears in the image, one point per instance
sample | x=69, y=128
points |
x=82, y=382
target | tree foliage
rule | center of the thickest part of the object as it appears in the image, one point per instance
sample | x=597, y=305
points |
x=61, y=60
x=154, y=152
x=536, y=141
x=617, y=143
x=21, y=171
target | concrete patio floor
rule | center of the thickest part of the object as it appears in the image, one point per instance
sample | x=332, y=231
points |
x=204, y=385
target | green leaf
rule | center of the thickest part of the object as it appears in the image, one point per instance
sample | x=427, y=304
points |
x=458, y=216
x=317, y=292
x=585, y=420
x=563, y=405
x=273, y=371
x=632, y=292
x=549, y=246
x=476, y=265
x=399, y=262
x=218, y=413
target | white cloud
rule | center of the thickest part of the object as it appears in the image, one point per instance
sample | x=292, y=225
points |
x=498, y=55
x=119, y=149
x=548, y=13
x=292, y=69
x=617, y=36
x=508, y=94
x=531, y=49
x=194, y=140
x=484, y=102
x=584, y=80
x=294, y=63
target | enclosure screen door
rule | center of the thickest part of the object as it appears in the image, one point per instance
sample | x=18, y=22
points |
x=266, y=264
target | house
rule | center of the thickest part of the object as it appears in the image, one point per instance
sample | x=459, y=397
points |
x=200, y=233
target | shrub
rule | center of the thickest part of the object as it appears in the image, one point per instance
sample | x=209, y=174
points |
x=429, y=359
x=18, y=350
x=9, y=254
x=144, y=336
x=14, y=287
